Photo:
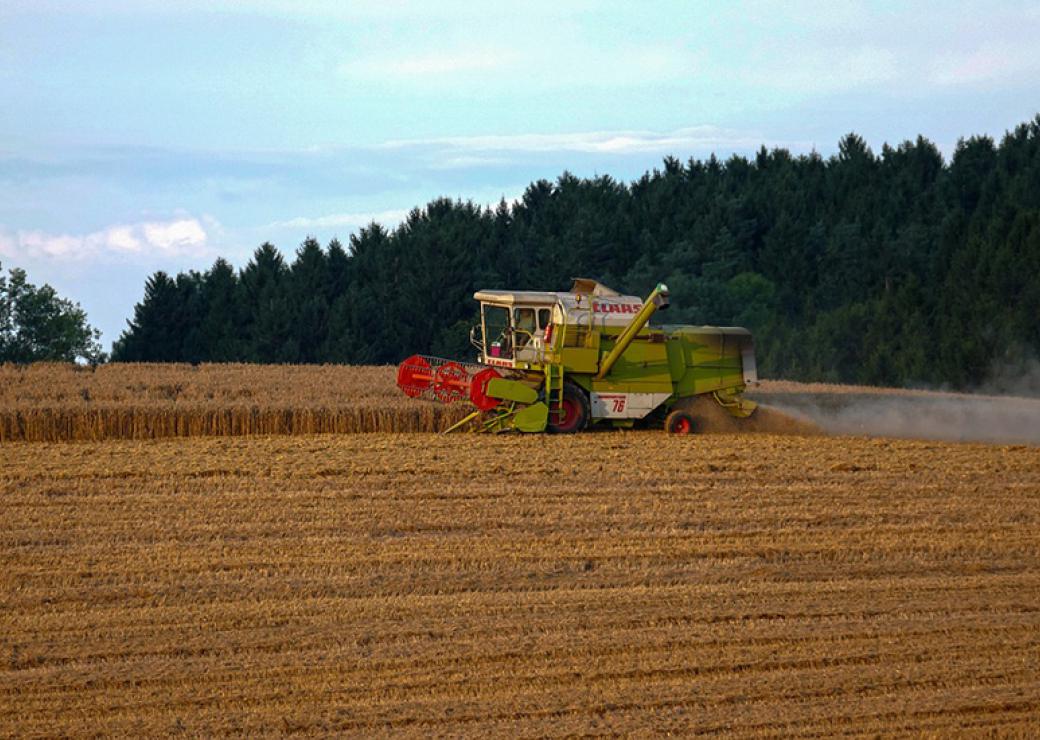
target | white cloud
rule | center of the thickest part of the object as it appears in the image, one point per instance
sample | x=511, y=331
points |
x=389, y=219
x=597, y=142
x=183, y=235
x=468, y=161
x=50, y=245
x=122, y=238
x=168, y=238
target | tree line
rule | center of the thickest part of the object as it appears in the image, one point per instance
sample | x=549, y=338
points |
x=884, y=268
x=36, y=324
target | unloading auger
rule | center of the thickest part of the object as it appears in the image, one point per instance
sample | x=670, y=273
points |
x=560, y=361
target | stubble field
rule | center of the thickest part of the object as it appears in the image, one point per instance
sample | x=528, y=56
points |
x=605, y=583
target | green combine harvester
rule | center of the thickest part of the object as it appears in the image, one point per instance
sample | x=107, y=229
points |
x=560, y=362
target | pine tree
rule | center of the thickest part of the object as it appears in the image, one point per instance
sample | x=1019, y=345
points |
x=308, y=292
x=222, y=314
x=269, y=334
x=152, y=334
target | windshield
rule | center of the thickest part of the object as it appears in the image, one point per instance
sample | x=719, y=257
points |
x=497, y=335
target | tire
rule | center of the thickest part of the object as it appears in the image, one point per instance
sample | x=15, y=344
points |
x=576, y=411
x=708, y=416
x=680, y=422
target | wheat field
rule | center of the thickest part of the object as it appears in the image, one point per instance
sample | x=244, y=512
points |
x=625, y=583
x=58, y=402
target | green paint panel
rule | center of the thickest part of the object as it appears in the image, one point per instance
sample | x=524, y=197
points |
x=534, y=418
x=676, y=358
x=511, y=390
x=689, y=361
x=580, y=360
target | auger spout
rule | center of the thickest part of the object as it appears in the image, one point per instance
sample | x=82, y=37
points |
x=658, y=299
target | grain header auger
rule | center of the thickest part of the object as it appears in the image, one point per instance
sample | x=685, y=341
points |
x=562, y=361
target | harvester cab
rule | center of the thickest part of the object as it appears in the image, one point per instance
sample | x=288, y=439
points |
x=560, y=361
x=514, y=327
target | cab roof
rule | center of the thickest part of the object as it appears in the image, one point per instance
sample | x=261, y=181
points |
x=512, y=297
x=581, y=286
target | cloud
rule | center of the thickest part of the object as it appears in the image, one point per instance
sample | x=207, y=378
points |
x=167, y=238
x=174, y=236
x=388, y=219
x=469, y=161
x=596, y=142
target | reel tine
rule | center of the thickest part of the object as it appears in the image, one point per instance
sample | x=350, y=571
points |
x=437, y=379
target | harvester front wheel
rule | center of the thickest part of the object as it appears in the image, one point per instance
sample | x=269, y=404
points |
x=680, y=422
x=573, y=414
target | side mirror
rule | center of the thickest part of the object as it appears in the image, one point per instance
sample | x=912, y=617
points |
x=474, y=331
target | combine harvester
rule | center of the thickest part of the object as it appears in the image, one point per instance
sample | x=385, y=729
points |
x=562, y=361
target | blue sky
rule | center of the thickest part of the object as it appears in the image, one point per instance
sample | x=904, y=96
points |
x=148, y=135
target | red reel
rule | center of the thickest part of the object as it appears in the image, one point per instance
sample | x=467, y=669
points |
x=414, y=376
x=451, y=382
x=478, y=389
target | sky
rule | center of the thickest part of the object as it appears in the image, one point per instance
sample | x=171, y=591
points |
x=156, y=135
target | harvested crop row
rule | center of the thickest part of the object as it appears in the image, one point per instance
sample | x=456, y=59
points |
x=622, y=583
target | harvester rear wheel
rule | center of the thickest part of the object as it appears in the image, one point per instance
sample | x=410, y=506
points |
x=575, y=412
x=680, y=422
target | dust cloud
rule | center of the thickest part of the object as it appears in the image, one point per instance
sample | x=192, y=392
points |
x=1018, y=378
x=914, y=415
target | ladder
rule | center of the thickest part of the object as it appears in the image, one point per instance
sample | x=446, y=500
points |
x=554, y=383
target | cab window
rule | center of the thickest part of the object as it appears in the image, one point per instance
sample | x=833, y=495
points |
x=523, y=318
x=524, y=323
